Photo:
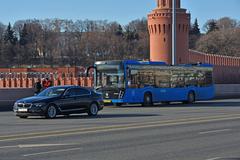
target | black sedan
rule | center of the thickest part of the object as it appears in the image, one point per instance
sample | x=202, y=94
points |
x=61, y=100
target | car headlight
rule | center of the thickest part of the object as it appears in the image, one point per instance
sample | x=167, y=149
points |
x=15, y=104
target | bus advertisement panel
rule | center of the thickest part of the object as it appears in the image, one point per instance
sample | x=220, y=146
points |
x=152, y=82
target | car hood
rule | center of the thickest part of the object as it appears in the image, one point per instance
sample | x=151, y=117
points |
x=36, y=99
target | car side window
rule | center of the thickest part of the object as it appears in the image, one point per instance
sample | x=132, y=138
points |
x=70, y=92
x=81, y=92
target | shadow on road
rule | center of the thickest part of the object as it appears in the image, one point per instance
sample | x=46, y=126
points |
x=7, y=106
x=101, y=116
x=179, y=105
x=212, y=104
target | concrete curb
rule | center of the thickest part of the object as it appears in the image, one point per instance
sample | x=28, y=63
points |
x=6, y=106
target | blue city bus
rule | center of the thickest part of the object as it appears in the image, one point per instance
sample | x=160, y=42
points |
x=144, y=82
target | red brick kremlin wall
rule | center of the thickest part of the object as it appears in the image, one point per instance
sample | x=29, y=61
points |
x=226, y=68
x=27, y=77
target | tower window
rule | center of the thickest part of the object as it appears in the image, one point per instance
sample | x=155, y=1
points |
x=152, y=28
x=163, y=3
x=164, y=28
x=159, y=28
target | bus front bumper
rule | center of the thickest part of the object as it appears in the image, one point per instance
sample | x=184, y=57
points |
x=112, y=101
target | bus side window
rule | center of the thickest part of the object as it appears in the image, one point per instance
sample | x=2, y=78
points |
x=162, y=79
x=132, y=78
x=209, y=78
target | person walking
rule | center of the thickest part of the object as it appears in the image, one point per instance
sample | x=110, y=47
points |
x=48, y=83
x=37, y=87
x=44, y=83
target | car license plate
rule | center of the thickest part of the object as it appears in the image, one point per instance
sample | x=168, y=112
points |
x=107, y=101
x=22, y=109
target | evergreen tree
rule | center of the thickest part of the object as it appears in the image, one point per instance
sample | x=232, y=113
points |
x=194, y=34
x=23, y=36
x=195, y=28
x=9, y=36
x=119, y=31
x=211, y=26
x=131, y=35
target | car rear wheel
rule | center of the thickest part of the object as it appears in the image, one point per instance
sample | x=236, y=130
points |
x=51, y=112
x=93, y=109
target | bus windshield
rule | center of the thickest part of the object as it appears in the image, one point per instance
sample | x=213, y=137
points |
x=109, y=76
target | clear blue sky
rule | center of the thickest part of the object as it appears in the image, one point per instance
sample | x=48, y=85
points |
x=121, y=11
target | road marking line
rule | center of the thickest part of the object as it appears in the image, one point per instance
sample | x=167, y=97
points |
x=5, y=147
x=42, y=145
x=214, y=158
x=35, y=145
x=117, y=127
x=49, y=152
x=215, y=131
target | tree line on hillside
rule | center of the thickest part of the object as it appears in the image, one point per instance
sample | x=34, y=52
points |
x=221, y=36
x=65, y=42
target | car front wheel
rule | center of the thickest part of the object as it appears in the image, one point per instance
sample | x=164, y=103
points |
x=51, y=112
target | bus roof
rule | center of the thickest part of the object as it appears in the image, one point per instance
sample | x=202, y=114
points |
x=139, y=62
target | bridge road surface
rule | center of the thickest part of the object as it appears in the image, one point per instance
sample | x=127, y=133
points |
x=203, y=131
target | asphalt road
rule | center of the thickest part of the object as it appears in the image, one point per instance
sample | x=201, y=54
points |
x=203, y=131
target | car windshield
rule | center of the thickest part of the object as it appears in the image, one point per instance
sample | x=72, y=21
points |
x=52, y=92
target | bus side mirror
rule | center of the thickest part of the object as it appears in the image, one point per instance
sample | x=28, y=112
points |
x=88, y=69
x=128, y=73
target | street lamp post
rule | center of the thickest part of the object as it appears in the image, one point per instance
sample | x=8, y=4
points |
x=174, y=32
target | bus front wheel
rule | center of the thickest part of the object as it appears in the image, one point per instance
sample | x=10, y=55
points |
x=117, y=104
x=147, y=100
x=191, y=98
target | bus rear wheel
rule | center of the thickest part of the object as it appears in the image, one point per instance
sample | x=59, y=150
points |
x=165, y=103
x=147, y=100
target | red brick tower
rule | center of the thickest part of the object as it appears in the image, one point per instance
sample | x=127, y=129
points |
x=160, y=30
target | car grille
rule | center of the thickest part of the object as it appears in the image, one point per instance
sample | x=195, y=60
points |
x=24, y=105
